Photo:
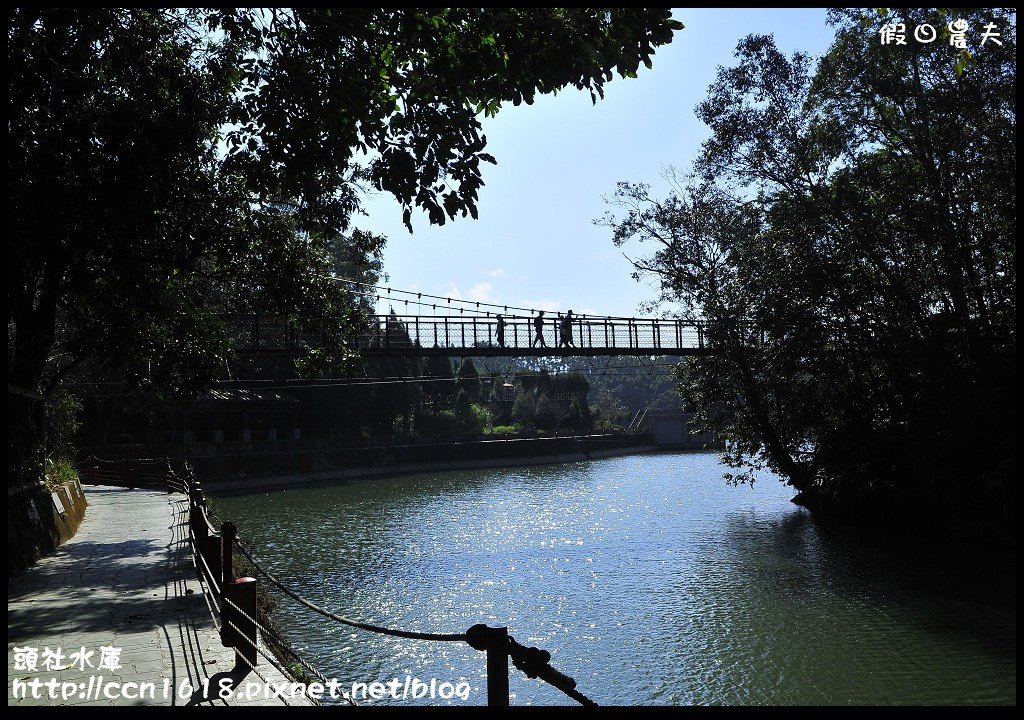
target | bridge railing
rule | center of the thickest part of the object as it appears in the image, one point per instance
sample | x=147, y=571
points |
x=397, y=332
x=520, y=333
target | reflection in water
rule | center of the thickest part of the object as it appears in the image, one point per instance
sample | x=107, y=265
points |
x=649, y=580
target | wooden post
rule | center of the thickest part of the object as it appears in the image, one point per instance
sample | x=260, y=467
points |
x=201, y=530
x=239, y=617
x=195, y=511
x=228, y=532
x=497, y=667
x=211, y=553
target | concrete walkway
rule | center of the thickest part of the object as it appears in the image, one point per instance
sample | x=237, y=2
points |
x=125, y=581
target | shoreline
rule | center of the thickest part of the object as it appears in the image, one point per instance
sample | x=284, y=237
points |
x=251, y=472
x=339, y=476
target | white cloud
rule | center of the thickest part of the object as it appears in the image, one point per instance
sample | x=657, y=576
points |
x=481, y=292
x=545, y=305
x=453, y=292
x=497, y=272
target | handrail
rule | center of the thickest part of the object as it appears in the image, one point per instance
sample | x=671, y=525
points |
x=419, y=334
x=239, y=621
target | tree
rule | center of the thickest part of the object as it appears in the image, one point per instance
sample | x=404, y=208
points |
x=440, y=377
x=116, y=117
x=464, y=411
x=468, y=379
x=168, y=167
x=524, y=409
x=848, y=238
x=409, y=84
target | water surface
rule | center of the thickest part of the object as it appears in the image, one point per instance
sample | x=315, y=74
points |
x=649, y=580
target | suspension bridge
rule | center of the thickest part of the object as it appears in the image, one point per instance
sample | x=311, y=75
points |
x=484, y=336
x=448, y=326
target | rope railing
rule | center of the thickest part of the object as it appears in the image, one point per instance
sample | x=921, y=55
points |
x=257, y=650
x=212, y=589
x=240, y=618
x=412, y=635
x=279, y=642
x=130, y=473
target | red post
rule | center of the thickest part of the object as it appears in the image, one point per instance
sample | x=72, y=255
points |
x=239, y=617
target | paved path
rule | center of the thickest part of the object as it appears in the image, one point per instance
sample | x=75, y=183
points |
x=126, y=581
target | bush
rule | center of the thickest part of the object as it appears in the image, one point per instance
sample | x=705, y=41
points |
x=58, y=472
x=481, y=417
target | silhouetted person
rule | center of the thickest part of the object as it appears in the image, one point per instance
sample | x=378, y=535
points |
x=501, y=331
x=565, y=330
x=538, y=325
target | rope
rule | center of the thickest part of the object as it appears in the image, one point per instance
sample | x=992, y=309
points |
x=208, y=572
x=535, y=663
x=209, y=526
x=212, y=584
x=252, y=666
x=283, y=644
x=374, y=293
x=458, y=637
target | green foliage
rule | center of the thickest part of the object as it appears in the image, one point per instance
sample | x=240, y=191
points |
x=59, y=470
x=481, y=418
x=547, y=413
x=409, y=84
x=198, y=169
x=62, y=422
x=464, y=409
x=301, y=674
x=524, y=410
x=609, y=411
x=439, y=425
x=849, y=239
x=468, y=379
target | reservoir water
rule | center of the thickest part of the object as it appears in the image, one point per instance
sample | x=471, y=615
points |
x=649, y=580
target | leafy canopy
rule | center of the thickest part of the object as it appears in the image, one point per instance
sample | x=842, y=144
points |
x=169, y=166
x=848, y=234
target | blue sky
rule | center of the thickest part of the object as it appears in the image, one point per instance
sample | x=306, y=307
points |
x=534, y=244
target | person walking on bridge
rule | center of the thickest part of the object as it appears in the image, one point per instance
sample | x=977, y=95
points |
x=565, y=330
x=538, y=325
x=501, y=331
